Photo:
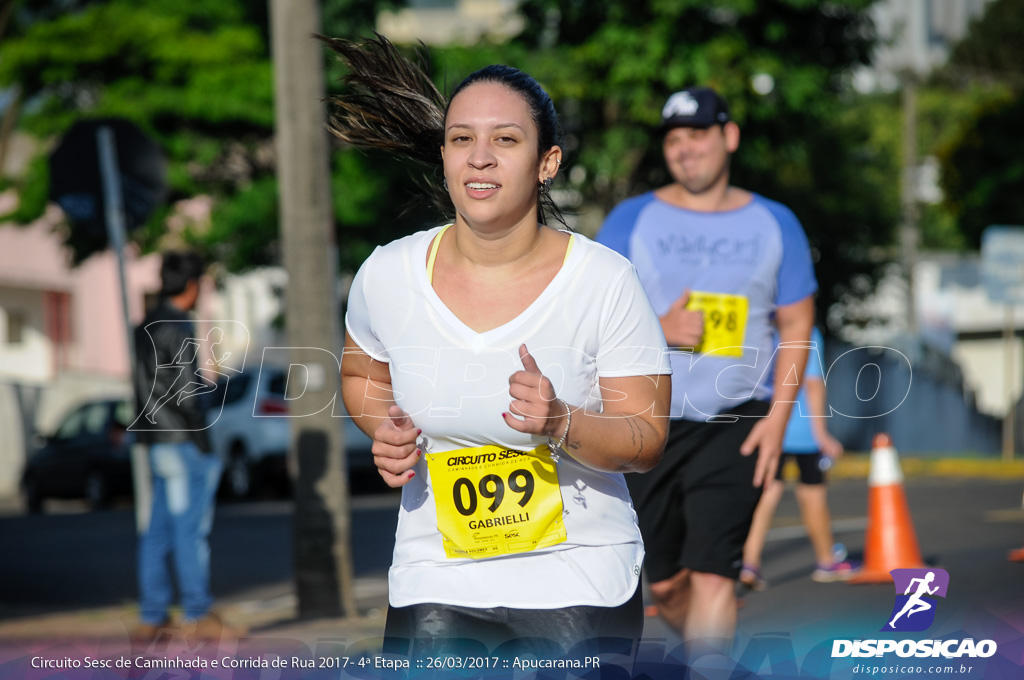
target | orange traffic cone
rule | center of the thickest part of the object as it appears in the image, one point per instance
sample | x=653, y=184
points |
x=890, y=541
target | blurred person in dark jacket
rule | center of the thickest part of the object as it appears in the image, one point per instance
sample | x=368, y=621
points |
x=183, y=471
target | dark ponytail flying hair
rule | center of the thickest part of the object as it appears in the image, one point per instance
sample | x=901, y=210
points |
x=392, y=105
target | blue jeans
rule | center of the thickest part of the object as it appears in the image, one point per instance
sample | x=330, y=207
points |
x=184, y=485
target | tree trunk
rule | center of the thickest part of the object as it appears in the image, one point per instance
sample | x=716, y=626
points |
x=6, y=9
x=7, y=126
x=323, y=562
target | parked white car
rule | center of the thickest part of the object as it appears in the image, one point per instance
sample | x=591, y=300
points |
x=252, y=433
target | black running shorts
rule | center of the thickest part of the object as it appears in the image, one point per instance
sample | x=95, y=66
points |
x=809, y=464
x=427, y=630
x=695, y=508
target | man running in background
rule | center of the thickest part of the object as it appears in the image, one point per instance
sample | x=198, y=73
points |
x=724, y=268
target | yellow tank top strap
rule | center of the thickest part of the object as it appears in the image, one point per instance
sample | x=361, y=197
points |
x=433, y=253
x=568, y=248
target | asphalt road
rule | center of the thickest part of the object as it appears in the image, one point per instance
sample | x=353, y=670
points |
x=965, y=526
x=74, y=559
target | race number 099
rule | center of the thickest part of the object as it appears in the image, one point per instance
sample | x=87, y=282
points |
x=464, y=494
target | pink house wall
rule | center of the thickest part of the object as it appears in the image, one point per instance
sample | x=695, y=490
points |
x=33, y=257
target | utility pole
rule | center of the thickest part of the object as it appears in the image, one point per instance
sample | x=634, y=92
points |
x=6, y=10
x=323, y=561
x=910, y=235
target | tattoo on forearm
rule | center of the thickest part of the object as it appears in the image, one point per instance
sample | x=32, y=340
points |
x=637, y=434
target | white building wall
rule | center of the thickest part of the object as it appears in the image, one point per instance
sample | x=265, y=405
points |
x=959, y=309
x=456, y=22
x=31, y=359
x=255, y=300
x=994, y=369
x=956, y=316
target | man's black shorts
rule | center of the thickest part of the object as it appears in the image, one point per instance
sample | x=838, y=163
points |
x=695, y=508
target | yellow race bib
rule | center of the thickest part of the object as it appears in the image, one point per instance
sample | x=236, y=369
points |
x=725, y=322
x=495, y=501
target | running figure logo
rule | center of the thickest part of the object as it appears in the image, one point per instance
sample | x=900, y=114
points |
x=199, y=368
x=914, y=610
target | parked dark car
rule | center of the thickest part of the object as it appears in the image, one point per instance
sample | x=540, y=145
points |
x=89, y=457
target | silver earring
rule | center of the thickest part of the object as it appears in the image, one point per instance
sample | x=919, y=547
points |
x=445, y=184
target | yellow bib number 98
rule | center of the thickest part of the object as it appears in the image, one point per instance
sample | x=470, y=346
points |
x=494, y=501
x=725, y=322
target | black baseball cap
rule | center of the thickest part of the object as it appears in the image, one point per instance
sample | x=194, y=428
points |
x=697, y=107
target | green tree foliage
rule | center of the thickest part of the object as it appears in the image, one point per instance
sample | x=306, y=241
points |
x=194, y=75
x=353, y=18
x=610, y=65
x=983, y=164
x=164, y=64
x=983, y=172
x=944, y=111
x=197, y=76
x=992, y=49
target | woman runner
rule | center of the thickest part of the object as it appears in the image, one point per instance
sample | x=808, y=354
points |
x=508, y=372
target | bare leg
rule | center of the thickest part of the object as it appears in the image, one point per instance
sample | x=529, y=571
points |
x=813, y=500
x=672, y=597
x=762, y=522
x=711, y=620
x=701, y=607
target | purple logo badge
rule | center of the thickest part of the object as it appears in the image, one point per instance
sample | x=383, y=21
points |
x=914, y=610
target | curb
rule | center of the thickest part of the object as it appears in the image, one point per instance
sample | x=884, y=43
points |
x=858, y=465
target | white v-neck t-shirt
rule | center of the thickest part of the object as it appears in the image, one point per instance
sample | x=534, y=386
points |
x=592, y=321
